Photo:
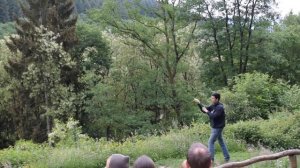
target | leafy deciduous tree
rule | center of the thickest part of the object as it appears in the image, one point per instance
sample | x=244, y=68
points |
x=163, y=32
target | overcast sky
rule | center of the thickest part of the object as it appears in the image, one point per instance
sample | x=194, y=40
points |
x=285, y=6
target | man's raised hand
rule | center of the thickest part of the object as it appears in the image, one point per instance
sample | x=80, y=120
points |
x=196, y=101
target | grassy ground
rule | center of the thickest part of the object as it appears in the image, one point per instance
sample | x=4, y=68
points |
x=167, y=149
x=237, y=156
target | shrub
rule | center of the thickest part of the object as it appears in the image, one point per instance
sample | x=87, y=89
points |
x=282, y=132
x=68, y=134
x=248, y=132
x=252, y=96
x=22, y=153
x=290, y=98
x=238, y=107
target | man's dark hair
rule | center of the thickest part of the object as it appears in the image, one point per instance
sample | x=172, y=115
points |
x=217, y=96
x=119, y=161
x=144, y=162
x=198, y=156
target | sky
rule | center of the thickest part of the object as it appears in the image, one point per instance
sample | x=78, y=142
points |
x=285, y=6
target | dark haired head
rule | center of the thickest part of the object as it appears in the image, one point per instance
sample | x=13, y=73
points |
x=144, y=162
x=118, y=161
x=198, y=156
x=217, y=96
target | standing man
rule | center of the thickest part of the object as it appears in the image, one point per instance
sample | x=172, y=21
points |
x=216, y=115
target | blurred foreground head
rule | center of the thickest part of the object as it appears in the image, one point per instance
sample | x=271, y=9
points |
x=117, y=161
x=198, y=157
x=144, y=162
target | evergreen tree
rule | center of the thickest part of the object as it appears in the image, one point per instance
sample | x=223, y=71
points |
x=13, y=9
x=4, y=15
x=28, y=107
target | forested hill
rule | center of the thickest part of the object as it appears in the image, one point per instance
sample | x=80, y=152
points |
x=9, y=9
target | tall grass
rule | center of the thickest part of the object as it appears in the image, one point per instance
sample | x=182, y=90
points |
x=91, y=153
x=280, y=132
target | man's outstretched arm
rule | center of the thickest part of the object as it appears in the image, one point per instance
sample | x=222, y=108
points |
x=202, y=108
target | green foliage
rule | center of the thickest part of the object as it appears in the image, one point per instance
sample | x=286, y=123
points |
x=22, y=153
x=10, y=9
x=110, y=115
x=90, y=35
x=69, y=134
x=4, y=15
x=84, y=5
x=252, y=96
x=238, y=107
x=41, y=68
x=6, y=29
x=37, y=81
x=70, y=158
x=161, y=59
x=247, y=132
x=42, y=76
x=229, y=42
x=134, y=97
x=281, y=132
x=284, y=61
x=290, y=98
x=129, y=71
x=258, y=88
x=91, y=153
x=7, y=135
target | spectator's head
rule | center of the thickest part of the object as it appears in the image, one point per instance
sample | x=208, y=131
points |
x=198, y=157
x=117, y=161
x=215, y=98
x=144, y=162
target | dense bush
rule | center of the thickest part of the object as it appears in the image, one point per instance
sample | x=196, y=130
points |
x=290, y=98
x=238, y=107
x=247, y=132
x=282, y=132
x=24, y=152
x=252, y=96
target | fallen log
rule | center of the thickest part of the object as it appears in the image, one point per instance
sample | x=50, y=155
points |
x=291, y=153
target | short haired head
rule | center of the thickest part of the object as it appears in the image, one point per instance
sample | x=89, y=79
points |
x=144, y=162
x=198, y=156
x=215, y=98
x=117, y=161
x=216, y=95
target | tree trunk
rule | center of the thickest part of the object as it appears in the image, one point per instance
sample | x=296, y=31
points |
x=249, y=37
x=218, y=48
x=47, y=118
x=108, y=132
x=230, y=41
